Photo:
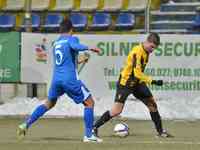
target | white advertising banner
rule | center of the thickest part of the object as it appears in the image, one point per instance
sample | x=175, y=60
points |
x=176, y=61
x=36, y=57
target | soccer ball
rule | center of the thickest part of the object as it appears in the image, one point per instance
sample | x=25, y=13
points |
x=121, y=130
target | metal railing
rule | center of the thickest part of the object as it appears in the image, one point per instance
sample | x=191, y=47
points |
x=147, y=17
x=28, y=15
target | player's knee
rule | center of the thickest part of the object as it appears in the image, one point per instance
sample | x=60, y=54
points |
x=89, y=103
x=115, y=112
x=116, y=109
x=152, y=106
x=49, y=104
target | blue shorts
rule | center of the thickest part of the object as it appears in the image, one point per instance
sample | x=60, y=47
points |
x=76, y=90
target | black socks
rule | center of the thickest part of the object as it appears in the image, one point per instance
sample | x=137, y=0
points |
x=155, y=116
x=103, y=119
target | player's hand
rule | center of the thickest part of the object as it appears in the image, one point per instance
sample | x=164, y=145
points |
x=86, y=60
x=157, y=82
x=83, y=58
x=96, y=50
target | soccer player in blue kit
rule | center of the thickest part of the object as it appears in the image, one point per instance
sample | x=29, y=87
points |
x=65, y=80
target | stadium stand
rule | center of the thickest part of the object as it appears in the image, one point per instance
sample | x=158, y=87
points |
x=112, y=5
x=14, y=5
x=52, y=22
x=125, y=21
x=90, y=5
x=40, y=5
x=137, y=5
x=79, y=21
x=101, y=21
x=196, y=23
x=35, y=23
x=63, y=5
x=174, y=17
x=7, y=22
x=84, y=13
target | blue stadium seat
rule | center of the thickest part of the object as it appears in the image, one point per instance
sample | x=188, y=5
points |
x=101, y=21
x=79, y=21
x=35, y=23
x=125, y=21
x=7, y=22
x=196, y=23
x=52, y=22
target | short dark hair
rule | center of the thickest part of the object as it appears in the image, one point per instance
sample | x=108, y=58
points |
x=65, y=25
x=154, y=38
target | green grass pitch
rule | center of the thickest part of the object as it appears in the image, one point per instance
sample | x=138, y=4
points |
x=67, y=134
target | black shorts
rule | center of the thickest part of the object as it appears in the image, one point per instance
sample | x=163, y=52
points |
x=140, y=91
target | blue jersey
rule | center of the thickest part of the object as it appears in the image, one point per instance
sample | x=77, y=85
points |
x=65, y=77
x=65, y=51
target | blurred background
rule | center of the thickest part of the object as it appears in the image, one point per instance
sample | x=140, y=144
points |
x=29, y=27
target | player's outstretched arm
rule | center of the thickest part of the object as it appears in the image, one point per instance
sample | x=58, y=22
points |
x=95, y=49
x=75, y=45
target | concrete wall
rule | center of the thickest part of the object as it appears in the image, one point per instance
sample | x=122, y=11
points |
x=9, y=91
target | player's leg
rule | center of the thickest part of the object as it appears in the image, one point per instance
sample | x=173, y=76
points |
x=143, y=93
x=120, y=98
x=40, y=110
x=155, y=116
x=37, y=113
x=80, y=94
x=154, y=113
x=109, y=114
x=88, y=115
x=88, y=120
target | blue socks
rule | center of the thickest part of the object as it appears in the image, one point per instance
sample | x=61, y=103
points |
x=88, y=119
x=38, y=112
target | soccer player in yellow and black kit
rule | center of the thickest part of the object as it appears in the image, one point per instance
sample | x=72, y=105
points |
x=132, y=80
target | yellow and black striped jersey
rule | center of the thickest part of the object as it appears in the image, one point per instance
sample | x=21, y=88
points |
x=134, y=66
